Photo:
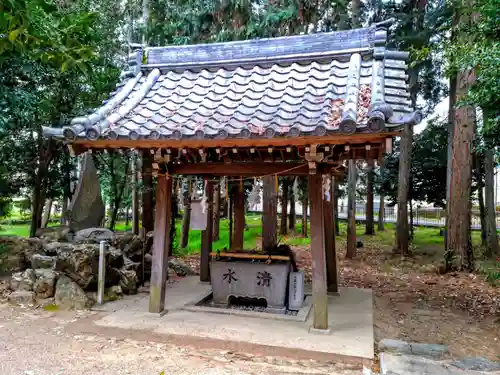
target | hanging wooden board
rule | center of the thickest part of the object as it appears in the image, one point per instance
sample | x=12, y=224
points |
x=198, y=217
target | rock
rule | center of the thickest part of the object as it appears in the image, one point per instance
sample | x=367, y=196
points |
x=425, y=350
x=435, y=351
x=133, y=247
x=87, y=208
x=23, y=280
x=180, y=268
x=42, y=261
x=22, y=297
x=114, y=258
x=16, y=251
x=45, y=283
x=81, y=264
x=113, y=293
x=69, y=295
x=476, y=364
x=171, y=275
x=92, y=296
x=128, y=281
x=54, y=248
x=129, y=265
x=93, y=235
x=121, y=239
x=57, y=233
x=149, y=241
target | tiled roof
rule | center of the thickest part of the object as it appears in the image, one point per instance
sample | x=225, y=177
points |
x=283, y=87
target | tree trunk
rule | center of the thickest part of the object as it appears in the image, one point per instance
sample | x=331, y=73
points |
x=411, y=219
x=356, y=13
x=39, y=191
x=284, y=207
x=46, y=213
x=491, y=227
x=239, y=217
x=370, y=230
x=381, y=214
x=291, y=214
x=304, y=217
x=119, y=189
x=269, y=213
x=126, y=216
x=402, y=240
x=64, y=210
x=351, y=210
x=459, y=252
x=186, y=218
x=175, y=213
x=216, y=213
x=451, y=128
x=480, y=196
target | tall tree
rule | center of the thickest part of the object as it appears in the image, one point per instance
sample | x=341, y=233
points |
x=459, y=253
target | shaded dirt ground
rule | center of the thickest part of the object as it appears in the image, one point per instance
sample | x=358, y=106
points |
x=413, y=302
x=38, y=342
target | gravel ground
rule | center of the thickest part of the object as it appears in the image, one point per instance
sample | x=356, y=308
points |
x=35, y=342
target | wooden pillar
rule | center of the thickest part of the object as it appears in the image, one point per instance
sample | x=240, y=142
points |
x=369, y=222
x=331, y=255
x=230, y=203
x=319, y=289
x=239, y=217
x=161, y=243
x=216, y=213
x=351, y=210
x=269, y=213
x=135, y=195
x=207, y=234
x=147, y=191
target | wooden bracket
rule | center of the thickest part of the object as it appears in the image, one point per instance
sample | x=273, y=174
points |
x=313, y=157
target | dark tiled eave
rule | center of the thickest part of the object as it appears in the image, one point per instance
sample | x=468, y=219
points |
x=320, y=85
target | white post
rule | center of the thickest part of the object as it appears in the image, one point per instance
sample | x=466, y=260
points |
x=102, y=273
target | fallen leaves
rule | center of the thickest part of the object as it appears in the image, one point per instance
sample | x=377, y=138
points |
x=406, y=280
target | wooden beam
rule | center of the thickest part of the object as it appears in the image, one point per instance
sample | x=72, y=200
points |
x=331, y=255
x=207, y=234
x=334, y=139
x=238, y=169
x=239, y=217
x=161, y=244
x=147, y=191
x=250, y=256
x=269, y=213
x=319, y=288
x=245, y=169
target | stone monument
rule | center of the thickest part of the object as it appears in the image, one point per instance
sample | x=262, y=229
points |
x=87, y=208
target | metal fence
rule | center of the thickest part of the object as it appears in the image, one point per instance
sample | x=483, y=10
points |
x=425, y=216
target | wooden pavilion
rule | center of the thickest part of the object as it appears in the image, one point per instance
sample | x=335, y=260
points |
x=298, y=105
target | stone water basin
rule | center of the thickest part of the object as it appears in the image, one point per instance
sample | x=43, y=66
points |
x=250, y=279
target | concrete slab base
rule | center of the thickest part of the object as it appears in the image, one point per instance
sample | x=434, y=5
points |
x=320, y=331
x=302, y=314
x=403, y=364
x=350, y=319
